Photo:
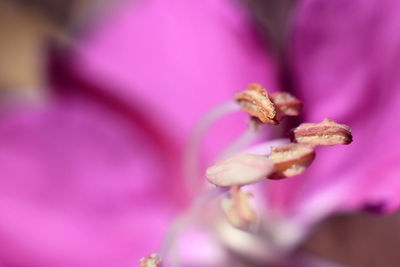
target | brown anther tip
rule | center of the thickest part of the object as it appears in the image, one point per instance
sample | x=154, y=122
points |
x=254, y=86
x=291, y=159
x=238, y=209
x=152, y=260
x=325, y=133
x=286, y=103
x=255, y=101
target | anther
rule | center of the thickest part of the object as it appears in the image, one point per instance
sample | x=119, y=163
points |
x=151, y=260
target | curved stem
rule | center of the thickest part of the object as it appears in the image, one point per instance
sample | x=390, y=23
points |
x=246, y=138
x=191, y=170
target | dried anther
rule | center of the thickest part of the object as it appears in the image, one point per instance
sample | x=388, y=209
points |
x=255, y=101
x=291, y=159
x=151, y=260
x=238, y=210
x=286, y=103
x=240, y=169
x=325, y=133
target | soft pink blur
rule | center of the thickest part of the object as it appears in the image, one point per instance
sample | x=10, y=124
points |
x=93, y=178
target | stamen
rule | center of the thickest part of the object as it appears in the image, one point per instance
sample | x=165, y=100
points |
x=255, y=101
x=238, y=210
x=286, y=104
x=283, y=161
x=291, y=159
x=325, y=133
x=152, y=260
x=191, y=170
x=241, y=169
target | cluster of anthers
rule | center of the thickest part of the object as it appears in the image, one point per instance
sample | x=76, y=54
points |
x=283, y=161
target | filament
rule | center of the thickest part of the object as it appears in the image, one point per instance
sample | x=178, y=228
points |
x=246, y=138
x=191, y=170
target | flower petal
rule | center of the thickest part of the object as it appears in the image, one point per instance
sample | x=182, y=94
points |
x=340, y=77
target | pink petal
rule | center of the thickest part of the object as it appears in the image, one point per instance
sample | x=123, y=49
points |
x=89, y=184
x=73, y=187
x=175, y=59
x=346, y=65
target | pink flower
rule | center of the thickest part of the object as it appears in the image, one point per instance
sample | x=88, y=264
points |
x=92, y=178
